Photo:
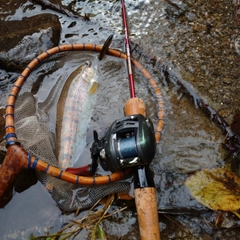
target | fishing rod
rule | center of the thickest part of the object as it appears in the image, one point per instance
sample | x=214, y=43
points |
x=131, y=78
x=144, y=188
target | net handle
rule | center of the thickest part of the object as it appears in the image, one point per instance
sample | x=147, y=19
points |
x=35, y=163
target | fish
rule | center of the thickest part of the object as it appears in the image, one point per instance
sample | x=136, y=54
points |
x=75, y=108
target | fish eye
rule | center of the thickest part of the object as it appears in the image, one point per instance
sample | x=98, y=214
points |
x=87, y=63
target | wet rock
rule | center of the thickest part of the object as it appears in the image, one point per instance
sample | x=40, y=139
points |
x=175, y=9
x=9, y=8
x=25, y=180
x=26, y=39
x=173, y=196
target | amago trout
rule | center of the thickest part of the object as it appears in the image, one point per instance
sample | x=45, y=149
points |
x=75, y=108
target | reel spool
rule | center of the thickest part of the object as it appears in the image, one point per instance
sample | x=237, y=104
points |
x=129, y=142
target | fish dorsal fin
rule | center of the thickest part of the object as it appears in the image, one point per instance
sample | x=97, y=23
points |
x=105, y=47
x=93, y=83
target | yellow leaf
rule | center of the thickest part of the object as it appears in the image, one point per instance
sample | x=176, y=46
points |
x=217, y=189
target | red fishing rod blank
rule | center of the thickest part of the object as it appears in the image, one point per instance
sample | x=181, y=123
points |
x=131, y=79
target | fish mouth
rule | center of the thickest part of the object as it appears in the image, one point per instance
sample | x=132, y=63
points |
x=92, y=86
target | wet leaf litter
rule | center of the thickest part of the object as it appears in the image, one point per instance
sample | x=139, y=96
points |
x=217, y=189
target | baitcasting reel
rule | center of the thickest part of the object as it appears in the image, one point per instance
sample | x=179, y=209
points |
x=129, y=142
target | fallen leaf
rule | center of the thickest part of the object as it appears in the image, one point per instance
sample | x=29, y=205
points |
x=217, y=189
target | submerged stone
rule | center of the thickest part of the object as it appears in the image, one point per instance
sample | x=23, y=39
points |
x=26, y=39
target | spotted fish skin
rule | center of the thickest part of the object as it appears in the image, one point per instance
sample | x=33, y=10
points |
x=78, y=107
x=78, y=100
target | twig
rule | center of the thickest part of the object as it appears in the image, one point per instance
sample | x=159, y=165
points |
x=58, y=8
x=174, y=222
x=119, y=210
x=89, y=221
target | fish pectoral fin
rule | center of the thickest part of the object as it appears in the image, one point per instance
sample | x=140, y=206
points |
x=105, y=47
x=93, y=87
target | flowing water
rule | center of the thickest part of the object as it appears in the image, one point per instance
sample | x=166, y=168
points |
x=199, y=42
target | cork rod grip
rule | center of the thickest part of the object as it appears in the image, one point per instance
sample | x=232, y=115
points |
x=146, y=203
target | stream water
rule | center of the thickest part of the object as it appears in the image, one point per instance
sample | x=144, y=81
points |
x=199, y=41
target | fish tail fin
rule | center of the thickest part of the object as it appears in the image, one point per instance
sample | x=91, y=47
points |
x=105, y=47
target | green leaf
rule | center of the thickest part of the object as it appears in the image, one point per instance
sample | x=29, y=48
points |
x=101, y=233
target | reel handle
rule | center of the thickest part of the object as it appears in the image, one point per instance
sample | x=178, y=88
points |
x=145, y=192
